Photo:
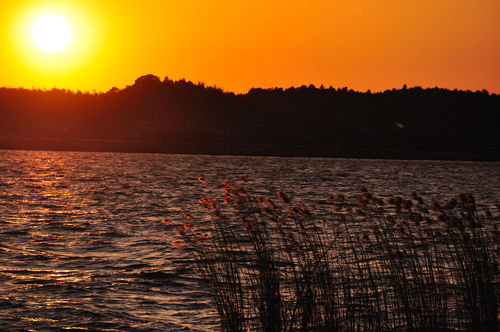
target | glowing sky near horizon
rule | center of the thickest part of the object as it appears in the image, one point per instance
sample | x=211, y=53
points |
x=236, y=45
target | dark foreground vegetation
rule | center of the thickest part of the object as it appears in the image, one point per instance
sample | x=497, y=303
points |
x=182, y=117
x=403, y=264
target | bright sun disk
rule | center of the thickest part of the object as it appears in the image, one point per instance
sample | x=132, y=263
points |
x=51, y=33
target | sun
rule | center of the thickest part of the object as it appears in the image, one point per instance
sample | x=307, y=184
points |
x=51, y=33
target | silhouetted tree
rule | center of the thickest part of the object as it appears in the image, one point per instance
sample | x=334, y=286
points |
x=305, y=120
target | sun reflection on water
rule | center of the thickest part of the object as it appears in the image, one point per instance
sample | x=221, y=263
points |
x=82, y=245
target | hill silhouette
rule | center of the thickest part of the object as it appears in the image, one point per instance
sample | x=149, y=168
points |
x=182, y=117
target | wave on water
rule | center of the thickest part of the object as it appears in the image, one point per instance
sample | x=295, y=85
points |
x=82, y=246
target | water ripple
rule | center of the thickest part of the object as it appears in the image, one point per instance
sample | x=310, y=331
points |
x=82, y=247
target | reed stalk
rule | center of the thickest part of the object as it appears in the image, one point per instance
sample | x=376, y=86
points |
x=270, y=264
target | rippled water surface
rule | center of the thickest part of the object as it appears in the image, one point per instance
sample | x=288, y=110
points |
x=82, y=246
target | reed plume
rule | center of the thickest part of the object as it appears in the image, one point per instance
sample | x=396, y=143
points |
x=271, y=264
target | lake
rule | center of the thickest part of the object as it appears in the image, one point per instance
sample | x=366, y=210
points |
x=82, y=246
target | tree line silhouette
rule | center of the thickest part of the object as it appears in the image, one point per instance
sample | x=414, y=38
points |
x=182, y=117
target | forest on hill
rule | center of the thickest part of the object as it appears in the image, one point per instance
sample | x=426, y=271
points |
x=182, y=117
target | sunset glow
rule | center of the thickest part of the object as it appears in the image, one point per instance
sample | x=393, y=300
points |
x=249, y=165
x=51, y=33
x=361, y=44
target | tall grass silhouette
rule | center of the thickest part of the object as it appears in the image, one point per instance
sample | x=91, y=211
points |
x=401, y=264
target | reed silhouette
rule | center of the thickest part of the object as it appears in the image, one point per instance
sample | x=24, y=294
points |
x=403, y=264
x=179, y=116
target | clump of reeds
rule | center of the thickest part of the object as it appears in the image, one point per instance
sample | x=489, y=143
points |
x=270, y=264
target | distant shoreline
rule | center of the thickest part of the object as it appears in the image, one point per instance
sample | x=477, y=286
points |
x=218, y=148
x=180, y=117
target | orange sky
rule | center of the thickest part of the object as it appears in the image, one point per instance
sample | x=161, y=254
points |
x=236, y=45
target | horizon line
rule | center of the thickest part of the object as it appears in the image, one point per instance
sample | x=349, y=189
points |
x=201, y=83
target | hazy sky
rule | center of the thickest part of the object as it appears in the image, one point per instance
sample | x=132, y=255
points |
x=362, y=44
